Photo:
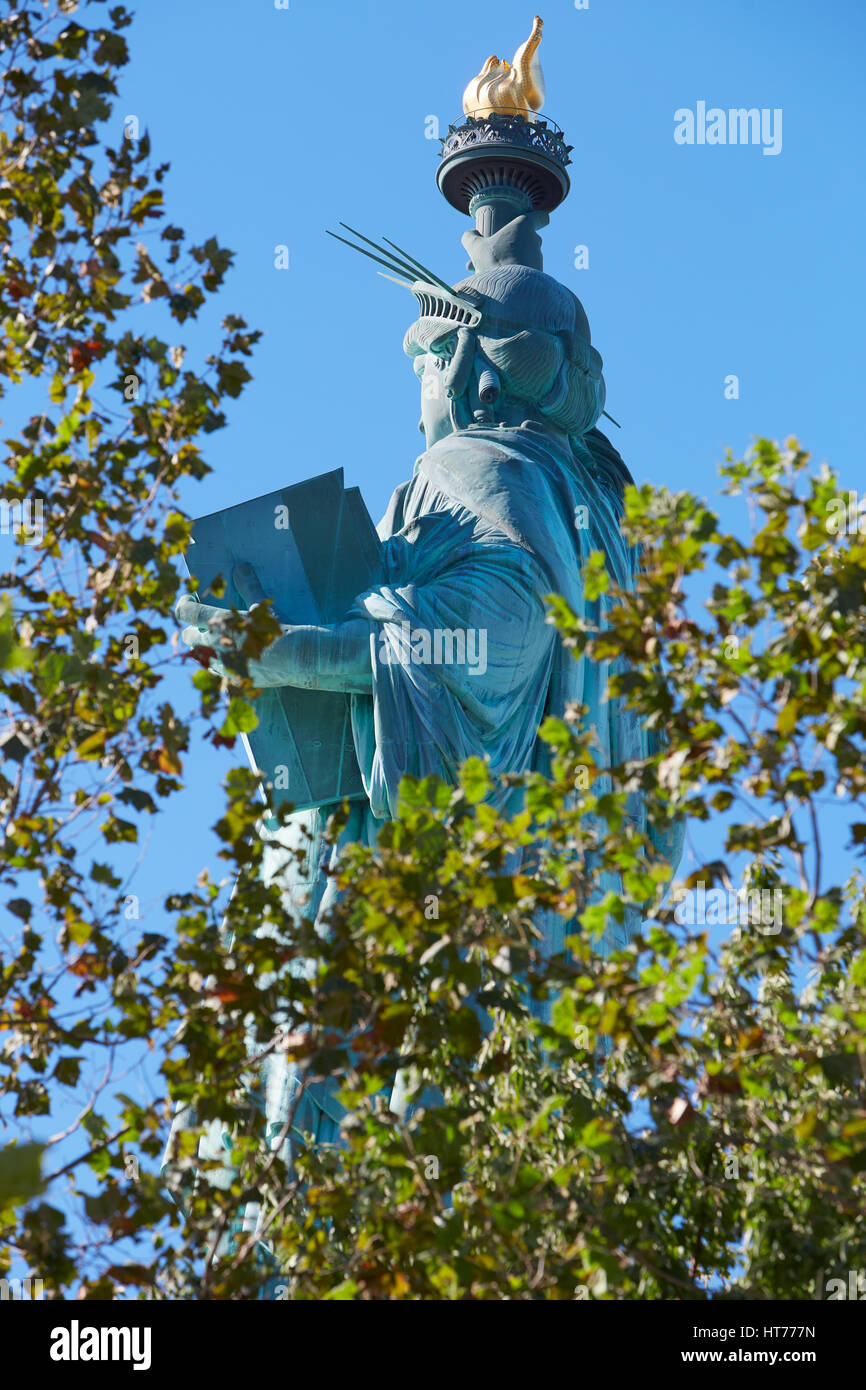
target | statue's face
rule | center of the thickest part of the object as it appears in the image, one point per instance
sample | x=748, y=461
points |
x=431, y=368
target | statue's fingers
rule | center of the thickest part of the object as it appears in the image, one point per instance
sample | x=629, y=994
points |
x=189, y=610
x=210, y=616
x=193, y=637
x=186, y=608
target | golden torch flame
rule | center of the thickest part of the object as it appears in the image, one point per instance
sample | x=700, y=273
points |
x=514, y=88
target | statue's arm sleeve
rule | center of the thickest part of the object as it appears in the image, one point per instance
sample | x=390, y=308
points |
x=336, y=657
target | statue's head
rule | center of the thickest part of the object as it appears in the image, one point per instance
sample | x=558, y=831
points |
x=510, y=344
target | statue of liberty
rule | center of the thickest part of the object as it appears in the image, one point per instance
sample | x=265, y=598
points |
x=515, y=489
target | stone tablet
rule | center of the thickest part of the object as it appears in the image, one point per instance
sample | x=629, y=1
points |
x=314, y=548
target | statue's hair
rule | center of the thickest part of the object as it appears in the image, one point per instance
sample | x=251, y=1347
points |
x=536, y=367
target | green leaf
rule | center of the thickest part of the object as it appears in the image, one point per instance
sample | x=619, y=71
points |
x=20, y=1173
x=475, y=780
x=241, y=718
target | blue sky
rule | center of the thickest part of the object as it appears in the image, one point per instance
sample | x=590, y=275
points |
x=704, y=260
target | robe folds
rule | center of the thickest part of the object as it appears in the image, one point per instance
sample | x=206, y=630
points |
x=464, y=662
x=493, y=521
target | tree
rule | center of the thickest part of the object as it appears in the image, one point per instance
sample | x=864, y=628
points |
x=690, y=1121
x=90, y=492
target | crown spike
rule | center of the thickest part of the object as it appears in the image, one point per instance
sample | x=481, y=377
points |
x=394, y=280
x=391, y=264
x=403, y=265
x=431, y=275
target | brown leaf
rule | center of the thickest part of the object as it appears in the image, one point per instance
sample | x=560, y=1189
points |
x=168, y=762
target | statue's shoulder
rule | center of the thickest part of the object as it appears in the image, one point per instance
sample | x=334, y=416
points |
x=478, y=443
x=394, y=516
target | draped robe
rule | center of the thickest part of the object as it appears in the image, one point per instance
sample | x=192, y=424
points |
x=493, y=521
